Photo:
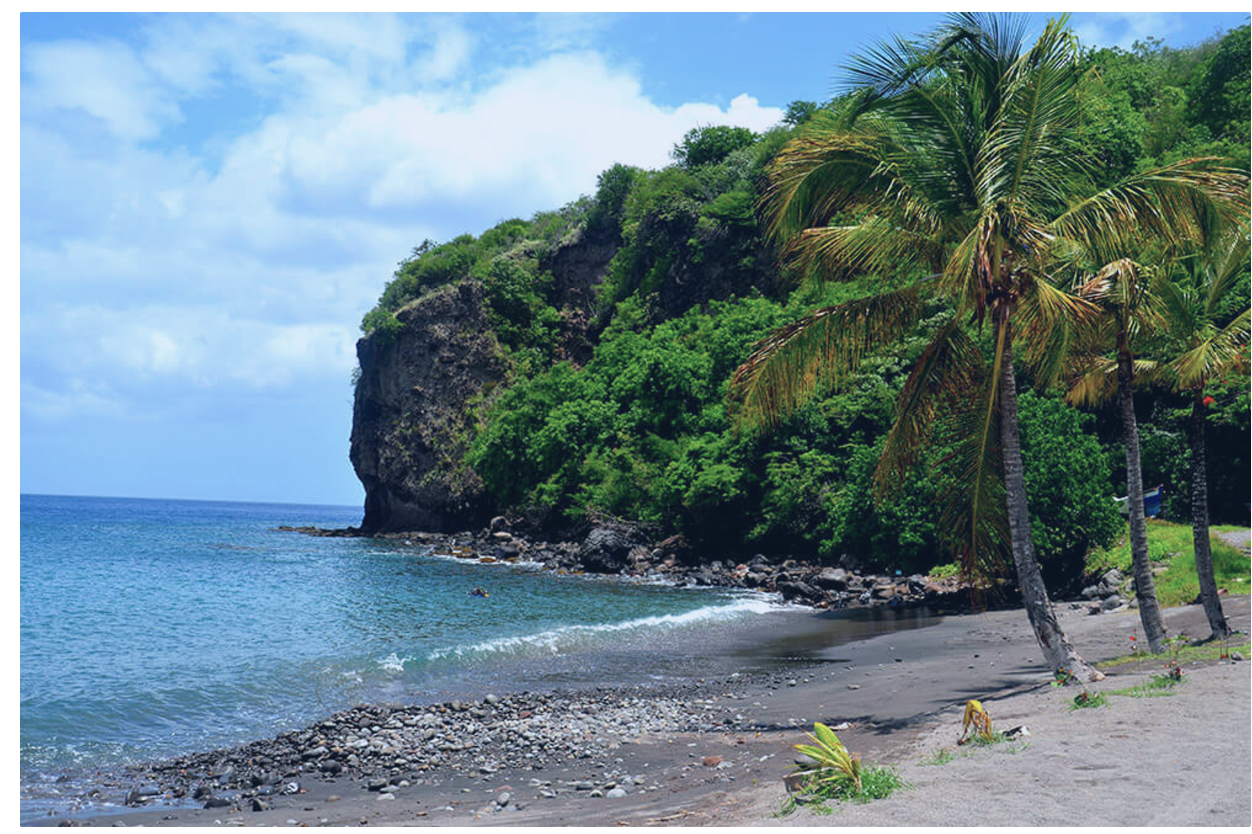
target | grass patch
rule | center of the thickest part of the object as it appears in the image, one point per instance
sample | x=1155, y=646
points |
x=1159, y=686
x=1172, y=544
x=877, y=782
x=1186, y=654
x=1089, y=700
x=944, y=571
x=947, y=754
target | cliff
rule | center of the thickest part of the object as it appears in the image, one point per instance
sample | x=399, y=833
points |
x=417, y=398
x=423, y=388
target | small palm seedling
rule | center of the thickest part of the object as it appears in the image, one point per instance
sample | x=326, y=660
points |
x=830, y=764
x=976, y=721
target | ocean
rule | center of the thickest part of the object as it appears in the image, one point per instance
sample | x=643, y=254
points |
x=151, y=628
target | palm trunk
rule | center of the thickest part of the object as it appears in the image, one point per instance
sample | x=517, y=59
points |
x=1200, y=523
x=1145, y=586
x=1057, y=650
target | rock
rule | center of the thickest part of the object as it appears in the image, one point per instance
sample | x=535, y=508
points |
x=385, y=796
x=134, y=797
x=605, y=550
x=1090, y=592
x=832, y=579
x=883, y=590
x=1112, y=578
x=1020, y=731
x=616, y=793
x=376, y=784
x=1111, y=602
x=330, y=766
x=711, y=761
x=796, y=590
x=315, y=753
x=216, y=802
x=259, y=805
x=1237, y=656
x=503, y=799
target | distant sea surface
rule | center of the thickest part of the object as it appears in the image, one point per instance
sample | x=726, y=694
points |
x=151, y=628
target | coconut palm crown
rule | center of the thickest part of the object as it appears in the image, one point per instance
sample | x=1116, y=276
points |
x=953, y=171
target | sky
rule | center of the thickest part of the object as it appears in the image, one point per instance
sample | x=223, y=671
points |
x=209, y=204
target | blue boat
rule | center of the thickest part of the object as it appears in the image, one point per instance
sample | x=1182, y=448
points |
x=1151, y=502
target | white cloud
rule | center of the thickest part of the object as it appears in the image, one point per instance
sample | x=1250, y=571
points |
x=1122, y=29
x=245, y=261
x=104, y=79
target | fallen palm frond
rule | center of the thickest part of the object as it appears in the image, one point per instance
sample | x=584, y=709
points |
x=976, y=720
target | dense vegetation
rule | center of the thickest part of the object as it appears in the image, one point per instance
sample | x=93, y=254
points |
x=641, y=431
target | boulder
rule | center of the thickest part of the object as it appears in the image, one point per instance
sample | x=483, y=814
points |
x=794, y=590
x=1111, y=602
x=832, y=579
x=883, y=590
x=605, y=550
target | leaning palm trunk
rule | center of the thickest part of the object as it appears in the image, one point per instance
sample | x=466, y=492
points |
x=1059, y=654
x=1145, y=586
x=1200, y=524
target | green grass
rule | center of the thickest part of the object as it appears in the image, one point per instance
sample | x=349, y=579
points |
x=1186, y=654
x=1172, y=544
x=1158, y=686
x=1089, y=700
x=947, y=754
x=944, y=571
x=877, y=782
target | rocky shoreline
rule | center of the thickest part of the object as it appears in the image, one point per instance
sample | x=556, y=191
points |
x=388, y=748
x=627, y=550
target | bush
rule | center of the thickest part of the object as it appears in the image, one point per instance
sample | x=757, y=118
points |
x=1068, y=488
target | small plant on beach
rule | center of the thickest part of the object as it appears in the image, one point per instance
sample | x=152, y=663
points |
x=1088, y=700
x=877, y=782
x=830, y=763
x=977, y=722
x=1063, y=677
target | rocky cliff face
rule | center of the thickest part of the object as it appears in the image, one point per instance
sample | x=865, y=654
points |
x=422, y=391
x=416, y=403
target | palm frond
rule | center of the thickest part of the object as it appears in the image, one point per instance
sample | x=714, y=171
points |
x=1173, y=204
x=949, y=366
x=823, y=349
x=1230, y=264
x=1051, y=324
x=1095, y=380
x=1223, y=351
x=874, y=246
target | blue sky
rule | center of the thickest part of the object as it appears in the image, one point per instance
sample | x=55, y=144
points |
x=210, y=203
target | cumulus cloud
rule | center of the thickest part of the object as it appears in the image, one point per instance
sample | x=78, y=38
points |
x=216, y=203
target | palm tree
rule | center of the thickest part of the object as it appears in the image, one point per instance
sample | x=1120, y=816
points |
x=954, y=172
x=1125, y=292
x=1209, y=340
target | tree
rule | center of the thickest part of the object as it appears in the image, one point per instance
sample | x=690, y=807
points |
x=1206, y=311
x=955, y=172
x=1130, y=305
x=710, y=144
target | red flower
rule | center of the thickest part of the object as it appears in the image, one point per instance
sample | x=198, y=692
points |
x=1208, y=401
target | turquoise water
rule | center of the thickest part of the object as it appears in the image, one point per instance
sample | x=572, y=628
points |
x=151, y=628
